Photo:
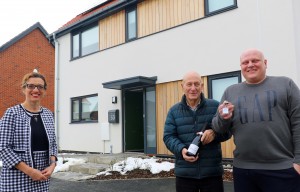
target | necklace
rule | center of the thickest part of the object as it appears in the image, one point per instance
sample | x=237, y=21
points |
x=35, y=117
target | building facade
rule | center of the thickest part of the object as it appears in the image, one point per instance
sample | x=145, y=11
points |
x=119, y=65
x=27, y=51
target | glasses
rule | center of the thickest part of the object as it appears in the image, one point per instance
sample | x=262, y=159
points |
x=32, y=86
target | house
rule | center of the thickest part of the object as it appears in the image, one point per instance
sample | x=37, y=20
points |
x=27, y=51
x=119, y=65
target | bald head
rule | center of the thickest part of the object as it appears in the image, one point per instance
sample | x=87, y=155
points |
x=191, y=74
x=252, y=51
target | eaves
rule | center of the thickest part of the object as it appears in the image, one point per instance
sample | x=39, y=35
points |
x=94, y=17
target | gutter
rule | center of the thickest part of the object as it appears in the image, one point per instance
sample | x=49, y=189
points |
x=56, y=85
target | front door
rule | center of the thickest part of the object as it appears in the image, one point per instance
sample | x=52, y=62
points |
x=133, y=121
x=140, y=120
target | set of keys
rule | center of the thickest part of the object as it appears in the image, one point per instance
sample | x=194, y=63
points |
x=225, y=109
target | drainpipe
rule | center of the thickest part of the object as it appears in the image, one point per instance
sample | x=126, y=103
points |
x=56, y=106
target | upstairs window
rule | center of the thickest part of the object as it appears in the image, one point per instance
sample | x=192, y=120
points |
x=131, y=24
x=85, y=42
x=84, y=108
x=216, y=6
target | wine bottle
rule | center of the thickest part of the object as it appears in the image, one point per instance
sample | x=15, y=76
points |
x=196, y=143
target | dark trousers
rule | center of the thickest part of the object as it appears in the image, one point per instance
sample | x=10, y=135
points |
x=254, y=180
x=210, y=184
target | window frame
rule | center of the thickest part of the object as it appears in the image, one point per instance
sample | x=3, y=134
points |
x=221, y=76
x=80, y=32
x=128, y=10
x=79, y=99
x=224, y=9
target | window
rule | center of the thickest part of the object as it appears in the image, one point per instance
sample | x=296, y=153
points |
x=218, y=83
x=131, y=24
x=216, y=6
x=76, y=45
x=85, y=42
x=84, y=108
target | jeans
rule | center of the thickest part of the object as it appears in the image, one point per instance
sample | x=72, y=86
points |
x=255, y=180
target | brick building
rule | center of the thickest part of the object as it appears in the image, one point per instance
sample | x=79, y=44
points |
x=25, y=52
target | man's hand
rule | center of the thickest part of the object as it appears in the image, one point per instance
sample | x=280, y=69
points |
x=297, y=168
x=208, y=136
x=226, y=113
x=188, y=158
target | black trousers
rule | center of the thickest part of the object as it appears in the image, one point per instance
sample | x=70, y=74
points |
x=210, y=184
x=254, y=180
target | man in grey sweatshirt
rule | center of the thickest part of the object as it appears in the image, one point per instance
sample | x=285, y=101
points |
x=263, y=114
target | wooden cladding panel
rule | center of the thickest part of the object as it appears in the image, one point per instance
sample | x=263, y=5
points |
x=112, y=30
x=227, y=148
x=158, y=15
x=167, y=94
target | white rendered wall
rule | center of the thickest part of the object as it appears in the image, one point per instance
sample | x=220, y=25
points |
x=296, y=12
x=209, y=46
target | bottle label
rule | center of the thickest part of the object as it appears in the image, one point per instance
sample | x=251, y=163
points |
x=193, y=149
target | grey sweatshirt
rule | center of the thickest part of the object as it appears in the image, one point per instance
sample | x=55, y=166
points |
x=265, y=123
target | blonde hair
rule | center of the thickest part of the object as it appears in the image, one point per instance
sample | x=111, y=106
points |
x=33, y=75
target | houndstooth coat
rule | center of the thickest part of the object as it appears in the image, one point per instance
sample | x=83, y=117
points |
x=15, y=146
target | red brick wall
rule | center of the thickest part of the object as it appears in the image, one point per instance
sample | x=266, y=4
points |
x=32, y=51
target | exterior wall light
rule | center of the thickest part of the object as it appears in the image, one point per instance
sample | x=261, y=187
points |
x=114, y=99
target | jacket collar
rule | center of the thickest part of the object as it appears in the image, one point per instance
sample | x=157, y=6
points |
x=202, y=101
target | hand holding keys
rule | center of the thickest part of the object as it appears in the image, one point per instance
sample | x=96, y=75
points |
x=225, y=109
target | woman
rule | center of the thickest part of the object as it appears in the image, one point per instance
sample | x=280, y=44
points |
x=27, y=140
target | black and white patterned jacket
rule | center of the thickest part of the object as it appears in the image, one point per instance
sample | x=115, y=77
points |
x=15, y=136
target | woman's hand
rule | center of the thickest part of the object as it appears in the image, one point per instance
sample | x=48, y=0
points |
x=36, y=175
x=49, y=170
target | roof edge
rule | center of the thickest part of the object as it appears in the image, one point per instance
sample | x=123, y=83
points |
x=93, y=17
x=37, y=25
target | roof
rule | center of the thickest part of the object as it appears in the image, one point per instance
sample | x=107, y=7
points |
x=89, y=12
x=23, y=34
x=92, y=15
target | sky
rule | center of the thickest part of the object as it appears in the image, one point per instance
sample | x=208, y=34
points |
x=18, y=15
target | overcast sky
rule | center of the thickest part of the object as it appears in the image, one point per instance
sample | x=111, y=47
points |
x=18, y=15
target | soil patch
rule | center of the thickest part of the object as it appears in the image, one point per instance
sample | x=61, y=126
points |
x=140, y=173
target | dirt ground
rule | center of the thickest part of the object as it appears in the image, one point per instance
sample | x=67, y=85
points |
x=139, y=173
